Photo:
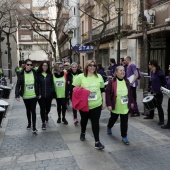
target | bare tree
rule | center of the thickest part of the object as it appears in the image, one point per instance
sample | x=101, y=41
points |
x=54, y=24
x=9, y=24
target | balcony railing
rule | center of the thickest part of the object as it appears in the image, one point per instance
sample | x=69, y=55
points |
x=86, y=37
x=112, y=27
x=158, y=2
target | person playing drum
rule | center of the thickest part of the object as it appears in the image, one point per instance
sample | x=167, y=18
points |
x=157, y=80
x=167, y=126
x=119, y=100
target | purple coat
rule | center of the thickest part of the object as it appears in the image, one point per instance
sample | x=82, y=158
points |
x=111, y=93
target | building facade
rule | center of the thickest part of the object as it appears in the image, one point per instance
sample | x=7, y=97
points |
x=31, y=32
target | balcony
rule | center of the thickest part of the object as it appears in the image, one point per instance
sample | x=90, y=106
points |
x=66, y=52
x=86, y=37
x=161, y=13
x=112, y=27
x=156, y=3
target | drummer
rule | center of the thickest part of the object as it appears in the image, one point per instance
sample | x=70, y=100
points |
x=157, y=80
x=167, y=126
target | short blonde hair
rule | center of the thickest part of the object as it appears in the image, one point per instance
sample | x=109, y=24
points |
x=117, y=68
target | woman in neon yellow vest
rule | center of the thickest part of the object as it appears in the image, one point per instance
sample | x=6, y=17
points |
x=93, y=82
x=61, y=92
x=73, y=72
x=27, y=88
x=119, y=100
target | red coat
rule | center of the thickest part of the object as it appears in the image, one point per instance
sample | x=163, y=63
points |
x=80, y=99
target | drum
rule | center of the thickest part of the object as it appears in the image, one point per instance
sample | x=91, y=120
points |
x=2, y=110
x=4, y=105
x=149, y=102
x=6, y=91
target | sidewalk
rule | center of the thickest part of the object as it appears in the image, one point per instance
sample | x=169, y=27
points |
x=59, y=147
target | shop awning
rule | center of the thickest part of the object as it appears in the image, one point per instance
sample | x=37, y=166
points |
x=154, y=31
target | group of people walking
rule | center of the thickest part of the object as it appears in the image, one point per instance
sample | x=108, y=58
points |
x=61, y=84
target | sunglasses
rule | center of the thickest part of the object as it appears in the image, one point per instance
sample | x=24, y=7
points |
x=29, y=65
x=61, y=67
x=90, y=65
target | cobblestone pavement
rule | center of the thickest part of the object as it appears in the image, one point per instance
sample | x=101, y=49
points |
x=59, y=147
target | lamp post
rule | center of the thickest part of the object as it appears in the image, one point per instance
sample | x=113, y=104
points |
x=22, y=57
x=20, y=53
x=54, y=45
x=70, y=36
x=118, y=8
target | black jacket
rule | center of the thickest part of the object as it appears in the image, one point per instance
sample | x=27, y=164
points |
x=46, y=85
x=70, y=78
x=66, y=87
x=19, y=89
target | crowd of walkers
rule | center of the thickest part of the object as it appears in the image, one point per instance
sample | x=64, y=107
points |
x=90, y=91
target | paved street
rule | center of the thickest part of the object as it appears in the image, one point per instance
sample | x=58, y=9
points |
x=59, y=147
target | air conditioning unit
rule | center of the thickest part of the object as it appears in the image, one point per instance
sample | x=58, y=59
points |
x=167, y=20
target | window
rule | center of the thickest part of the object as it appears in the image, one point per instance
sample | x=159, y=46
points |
x=25, y=27
x=74, y=33
x=25, y=37
x=27, y=47
x=74, y=9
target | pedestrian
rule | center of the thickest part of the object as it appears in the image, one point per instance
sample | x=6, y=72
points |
x=93, y=82
x=1, y=72
x=167, y=126
x=101, y=71
x=27, y=88
x=132, y=75
x=46, y=86
x=157, y=80
x=17, y=70
x=61, y=92
x=122, y=63
x=119, y=100
x=112, y=67
x=73, y=72
x=66, y=66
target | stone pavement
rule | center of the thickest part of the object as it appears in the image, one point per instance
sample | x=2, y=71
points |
x=59, y=147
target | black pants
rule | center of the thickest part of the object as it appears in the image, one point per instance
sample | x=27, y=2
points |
x=123, y=122
x=94, y=116
x=168, y=122
x=61, y=106
x=135, y=109
x=45, y=107
x=159, y=100
x=30, y=105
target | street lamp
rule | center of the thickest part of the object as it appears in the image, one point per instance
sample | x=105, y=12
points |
x=70, y=36
x=20, y=50
x=22, y=57
x=118, y=8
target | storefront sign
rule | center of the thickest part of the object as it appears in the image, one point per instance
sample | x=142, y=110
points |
x=83, y=48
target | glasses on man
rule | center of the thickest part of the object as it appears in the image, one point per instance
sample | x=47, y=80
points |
x=61, y=67
x=92, y=65
x=29, y=64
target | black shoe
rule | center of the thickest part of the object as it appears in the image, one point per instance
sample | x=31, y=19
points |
x=43, y=126
x=29, y=127
x=137, y=114
x=34, y=130
x=46, y=118
x=64, y=121
x=147, y=117
x=165, y=127
x=59, y=120
x=160, y=123
x=82, y=136
x=99, y=146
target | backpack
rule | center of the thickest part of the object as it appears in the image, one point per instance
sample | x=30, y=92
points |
x=139, y=73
